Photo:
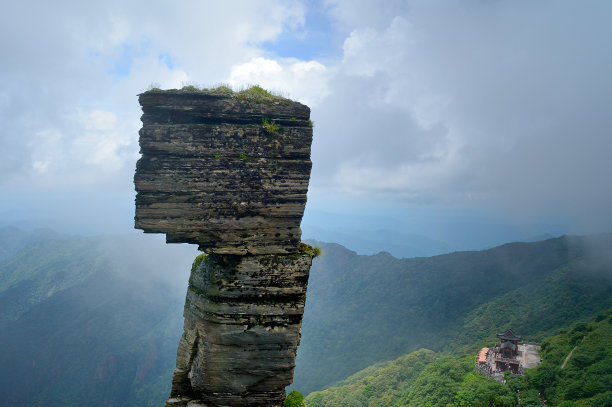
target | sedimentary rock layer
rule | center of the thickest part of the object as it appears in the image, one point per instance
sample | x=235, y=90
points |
x=243, y=316
x=226, y=172
x=230, y=173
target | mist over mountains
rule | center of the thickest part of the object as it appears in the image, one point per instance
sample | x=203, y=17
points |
x=363, y=309
x=88, y=320
x=95, y=320
x=419, y=232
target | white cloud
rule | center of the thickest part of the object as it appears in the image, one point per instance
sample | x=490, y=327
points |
x=504, y=103
x=255, y=70
x=40, y=166
x=99, y=140
x=305, y=81
x=69, y=83
x=97, y=119
x=496, y=102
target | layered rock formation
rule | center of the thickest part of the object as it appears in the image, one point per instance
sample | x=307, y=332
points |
x=242, y=326
x=226, y=172
x=230, y=173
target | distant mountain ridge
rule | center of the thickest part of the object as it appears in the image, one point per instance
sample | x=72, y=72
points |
x=399, y=244
x=96, y=320
x=13, y=239
x=365, y=309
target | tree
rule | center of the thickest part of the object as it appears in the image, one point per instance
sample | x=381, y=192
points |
x=294, y=399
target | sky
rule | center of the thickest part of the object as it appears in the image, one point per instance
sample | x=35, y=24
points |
x=438, y=125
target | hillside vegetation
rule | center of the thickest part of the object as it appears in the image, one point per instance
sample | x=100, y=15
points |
x=424, y=378
x=586, y=377
x=361, y=310
x=89, y=321
x=420, y=378
x=96, y=320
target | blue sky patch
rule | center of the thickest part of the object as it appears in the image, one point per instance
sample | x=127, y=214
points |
x=167, y=59
x=318, y=38
x=124, y=57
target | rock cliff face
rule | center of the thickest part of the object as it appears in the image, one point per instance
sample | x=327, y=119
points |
x=242, y=326
x=230, y=173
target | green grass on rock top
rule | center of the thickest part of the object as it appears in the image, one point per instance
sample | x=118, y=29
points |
x=254, y=93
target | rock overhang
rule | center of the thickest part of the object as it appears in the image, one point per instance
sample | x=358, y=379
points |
x=227, y=172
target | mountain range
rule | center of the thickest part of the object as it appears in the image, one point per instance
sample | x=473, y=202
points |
x=96, y=320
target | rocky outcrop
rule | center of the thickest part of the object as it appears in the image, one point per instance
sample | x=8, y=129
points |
x=230, y=173
x=242, y=327
x=226, y=172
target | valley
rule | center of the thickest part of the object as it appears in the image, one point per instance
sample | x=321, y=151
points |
x=95, y=320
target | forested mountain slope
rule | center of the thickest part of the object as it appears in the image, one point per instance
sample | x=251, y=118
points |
x=365, y=309
x=96, y=321
x=424, y=378
x=576, y=368
x=90, y=321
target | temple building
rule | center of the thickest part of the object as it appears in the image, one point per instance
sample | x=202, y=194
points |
x=507, y=356
x=506, y=353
